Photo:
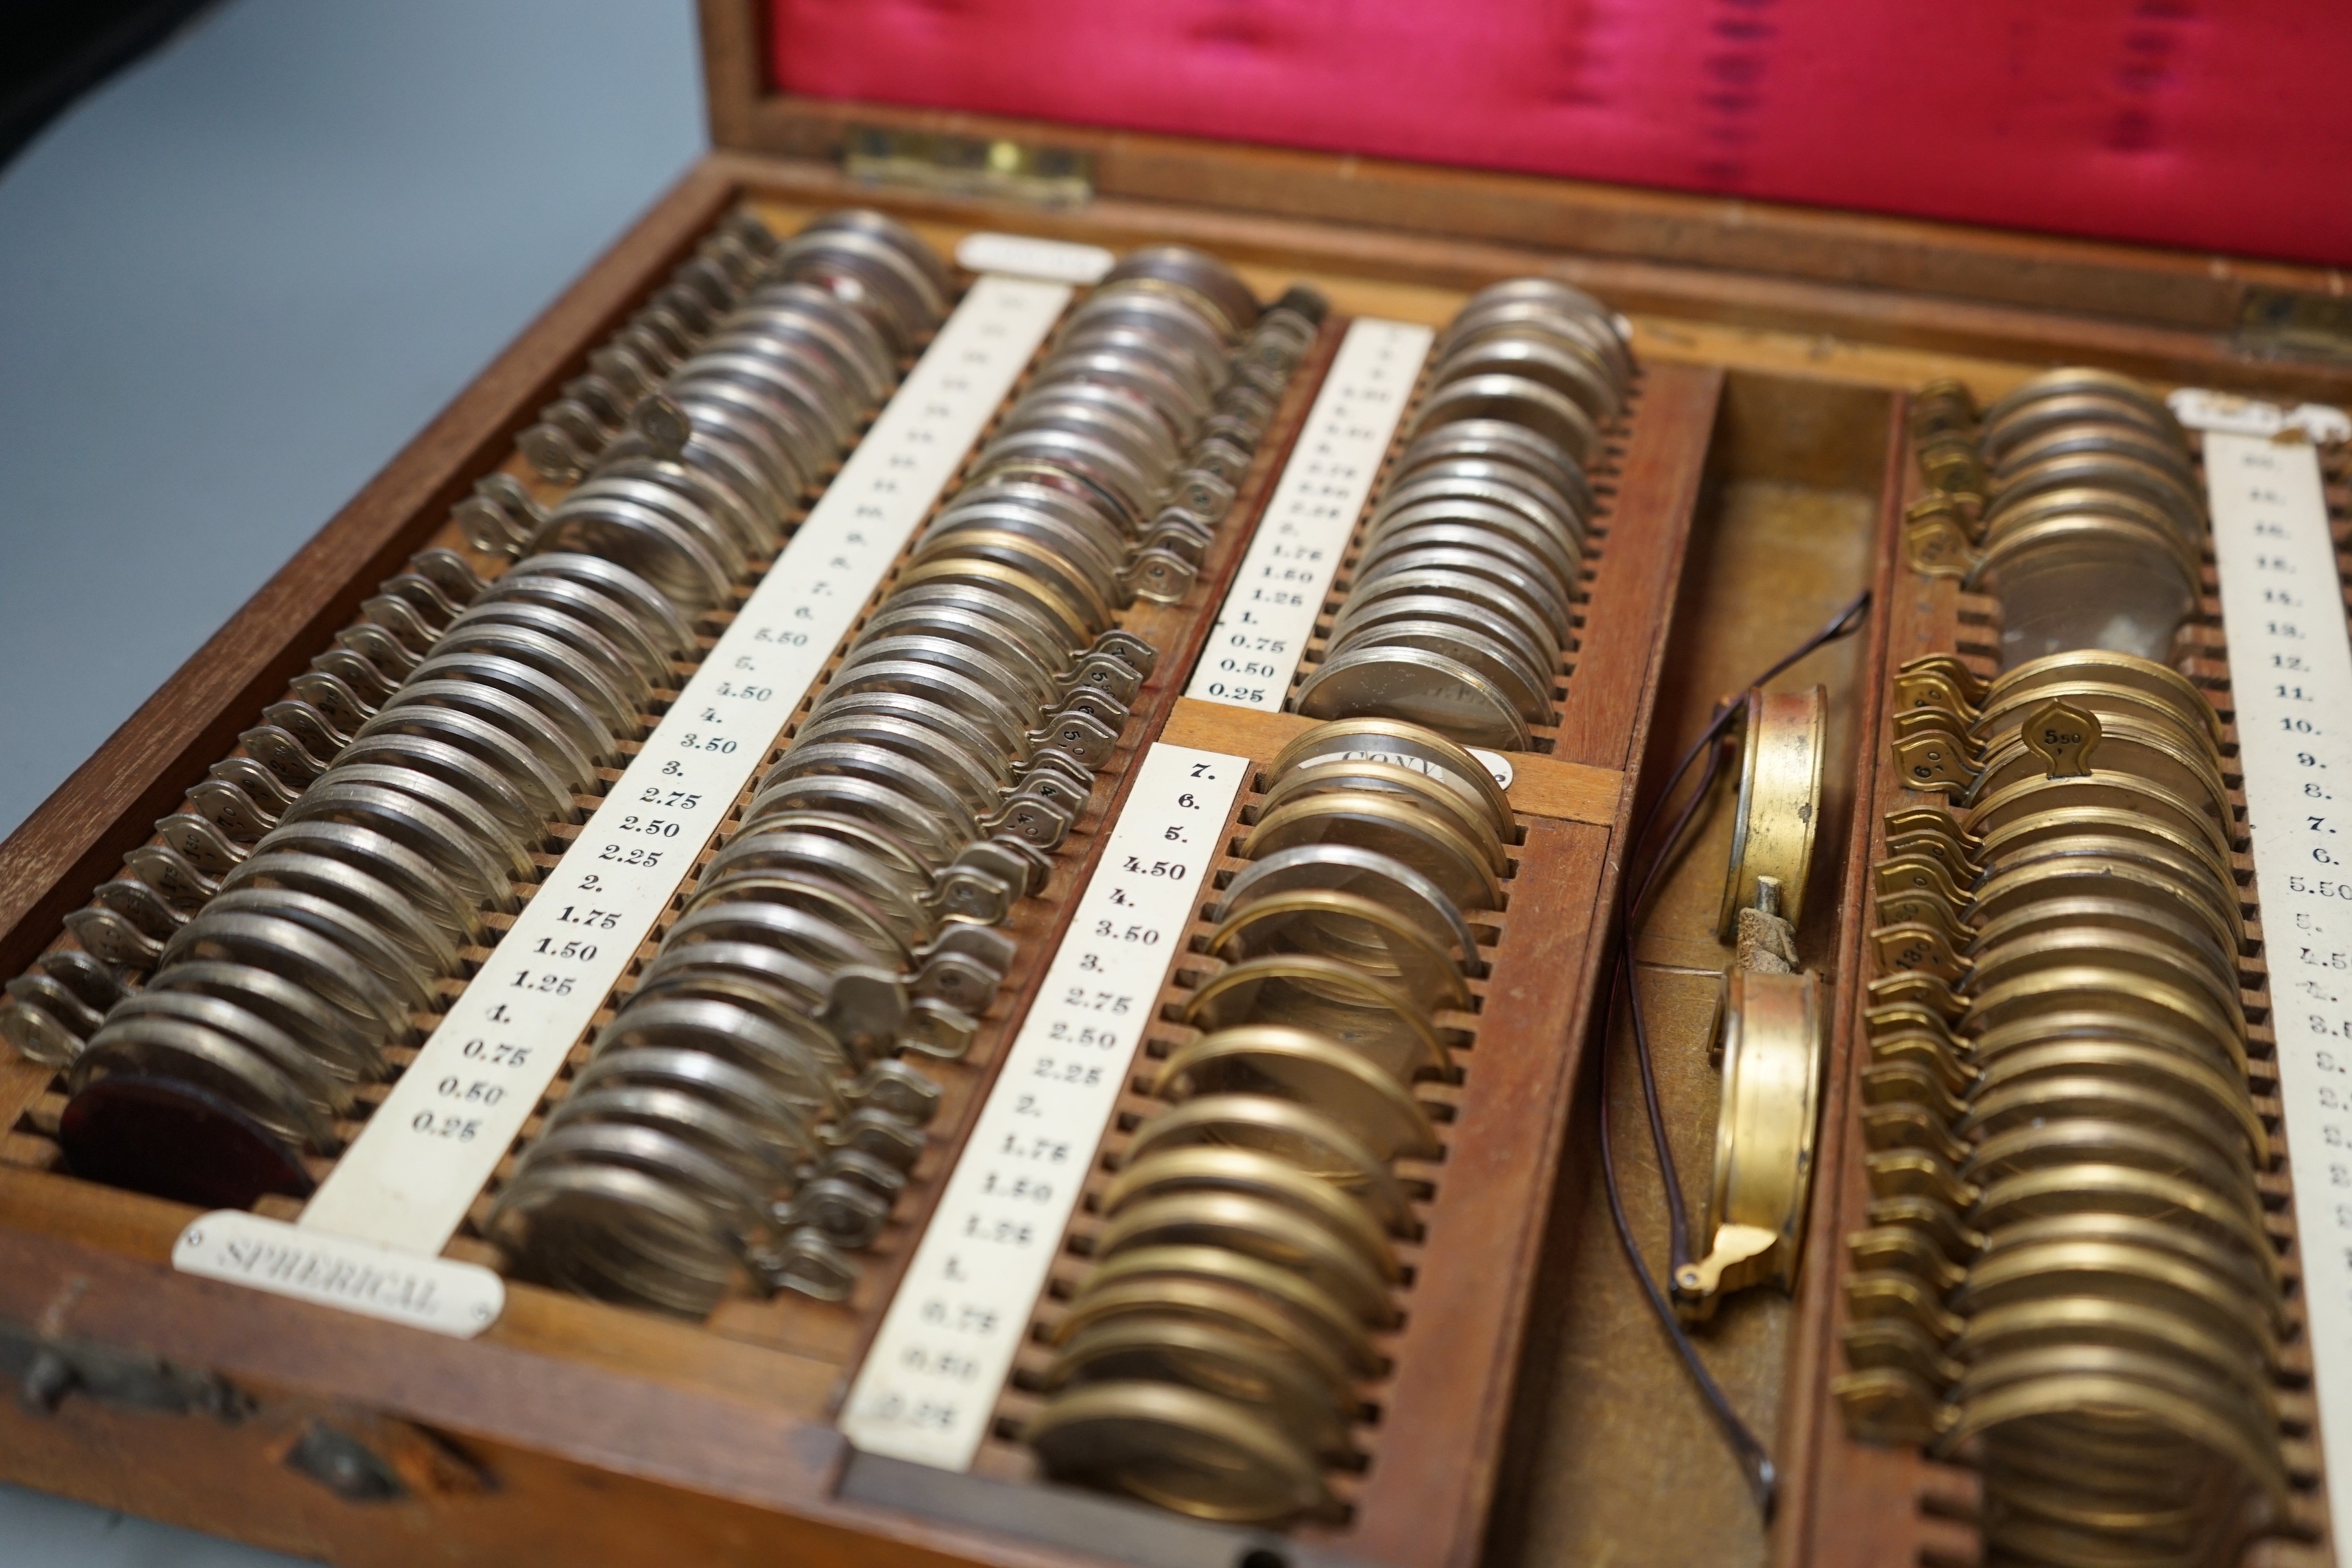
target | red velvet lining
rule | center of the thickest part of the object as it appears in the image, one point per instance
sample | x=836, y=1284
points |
x=2214, y=124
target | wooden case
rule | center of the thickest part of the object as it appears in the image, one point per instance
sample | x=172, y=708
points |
x=1534, y=1411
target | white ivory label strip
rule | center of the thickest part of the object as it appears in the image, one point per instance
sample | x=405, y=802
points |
x=1023, y=257
x=931, y=1379
x=437, y=1294
x=2291, y=672
x=1263, y=625
x=405, y=1183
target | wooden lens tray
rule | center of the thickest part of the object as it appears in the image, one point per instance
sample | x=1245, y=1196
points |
x=1532, y=1410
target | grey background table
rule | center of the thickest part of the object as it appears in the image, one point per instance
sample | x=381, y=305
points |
x=233, y=281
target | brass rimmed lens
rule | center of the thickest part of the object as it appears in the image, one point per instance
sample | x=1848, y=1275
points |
x=1439, y=852
x=1355, y=930
x=2161, y=1279
x=1372, y=776
x=1180, y=1449
x=2087, y=1141
x=1345, y=868
x=1258, y=1228
x=2102, y=667
x=2166, y=1072
x=2127, y=959
x=2091, y=1186
x=1297, y=1134
x=1166, y=1172
x=1330, y=998
x=1020, y=588
x=1418, y=684
x=2145, y=751
x=2145, y=912
x=1190, y=1353
x=2035, y=797
x=1406, y=746
x=2100, y=986
x=1311, y=1069
x=1998, y=1107
x=2093, y=1017
x=1284, y=1308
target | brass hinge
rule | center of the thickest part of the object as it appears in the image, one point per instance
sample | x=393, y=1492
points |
x=970, y=166
x=2294, y=323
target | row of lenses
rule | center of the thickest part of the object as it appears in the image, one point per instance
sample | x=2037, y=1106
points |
x=848, y=254
x=1209, y=1359
x=2082, y=504
x=322, y=885
x=2068, y=1273
x=1462, y=592
x=748, y=1108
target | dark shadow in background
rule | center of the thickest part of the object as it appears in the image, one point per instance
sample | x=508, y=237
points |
x=53, y=52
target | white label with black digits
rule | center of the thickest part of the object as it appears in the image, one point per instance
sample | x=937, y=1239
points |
x=931, y=1381
x=1269, y=614
x=2291, y=672
x=428, y=1151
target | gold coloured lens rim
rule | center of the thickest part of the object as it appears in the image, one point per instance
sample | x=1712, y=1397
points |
x=2103, y=667
x=2121, y=904
x=2044, y=953
x=1345, y=868
x=1313, y=1070
x=2073, y=380
x=2001, y=723
x=2107, y=1319
x=1357, y=930
x=2034, y=798
x=2126, y=747
x=2162, y=1280
x=1259, y=1228
x=1386, y=826
x=2015, y=549
x=2091, y=1019
x=2097, y=404
x=2099, y=986
x=2185, y=1245
x=1387, y=740
x=2106, y=437
x=1288, y=1130
x=1180, y=1449
x=1254, y=1174
x=1420, y=684
x=1374, y=776
x=1192, y=1354
x=1993, y=1110
x=1335, y=986
x=2154, y=1067
x=1287, y=1309
x=995, y=576
x=2088, y=1140
x=2155, y=1384
x=1026, y=556
x=2108, y=470
x=2123, y=839
x=2094, y=1187
x=2120, y=1418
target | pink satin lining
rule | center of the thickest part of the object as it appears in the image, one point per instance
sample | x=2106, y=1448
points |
x=2212, y=124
